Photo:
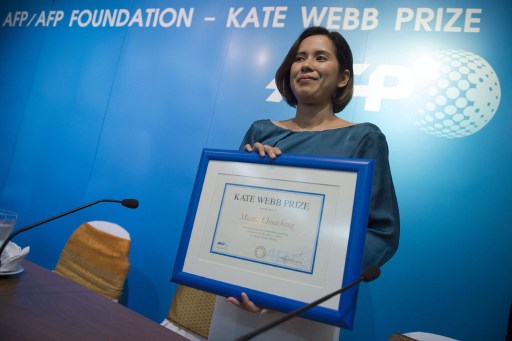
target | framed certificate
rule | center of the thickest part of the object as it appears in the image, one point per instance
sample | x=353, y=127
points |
x=285, y=231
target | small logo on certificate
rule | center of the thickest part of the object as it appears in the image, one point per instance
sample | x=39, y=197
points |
x=260, y=252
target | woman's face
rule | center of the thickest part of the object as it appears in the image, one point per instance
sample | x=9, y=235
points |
x=315, y=74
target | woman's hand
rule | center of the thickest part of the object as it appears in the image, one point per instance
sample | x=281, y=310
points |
x=263, y=149
x=247, y=305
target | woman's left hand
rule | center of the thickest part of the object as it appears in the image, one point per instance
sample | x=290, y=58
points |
x=263, y=149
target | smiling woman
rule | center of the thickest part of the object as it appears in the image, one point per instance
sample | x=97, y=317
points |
x=316, y=78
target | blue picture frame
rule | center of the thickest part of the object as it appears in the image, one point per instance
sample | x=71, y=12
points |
x=343, y=314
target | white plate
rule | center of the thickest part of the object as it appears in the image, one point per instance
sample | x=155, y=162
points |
x=17, y=270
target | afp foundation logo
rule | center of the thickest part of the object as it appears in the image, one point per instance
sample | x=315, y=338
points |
x=447, y=94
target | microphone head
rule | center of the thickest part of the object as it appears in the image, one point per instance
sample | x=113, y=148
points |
x=370, y=273
x=130, y=203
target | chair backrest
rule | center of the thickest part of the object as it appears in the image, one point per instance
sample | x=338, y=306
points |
x=96, y=256
x=192, y=309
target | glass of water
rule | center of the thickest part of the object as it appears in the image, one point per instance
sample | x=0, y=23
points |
x=7, y=222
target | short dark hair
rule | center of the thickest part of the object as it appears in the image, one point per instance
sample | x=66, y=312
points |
x=345, y=61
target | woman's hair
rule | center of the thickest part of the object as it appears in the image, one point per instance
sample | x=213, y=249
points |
x=345, y=62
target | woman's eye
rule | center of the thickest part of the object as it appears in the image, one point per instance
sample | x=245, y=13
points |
x=299, y=58
x=321, y=57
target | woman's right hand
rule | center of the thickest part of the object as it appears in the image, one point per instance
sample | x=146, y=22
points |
x=263, y=149
x=247, y=305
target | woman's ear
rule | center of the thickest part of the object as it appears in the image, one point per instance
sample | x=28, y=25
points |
x=344, y=78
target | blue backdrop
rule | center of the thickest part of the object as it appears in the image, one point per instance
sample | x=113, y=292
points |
x=116, y=99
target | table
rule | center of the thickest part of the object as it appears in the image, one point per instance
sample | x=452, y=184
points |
x=41, y=305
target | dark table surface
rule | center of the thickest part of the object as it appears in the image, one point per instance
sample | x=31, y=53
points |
x=38, y=304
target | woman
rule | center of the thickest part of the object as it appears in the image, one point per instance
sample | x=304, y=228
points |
x=317, y=78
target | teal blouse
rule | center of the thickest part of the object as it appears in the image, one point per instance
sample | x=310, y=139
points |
x=364, y=140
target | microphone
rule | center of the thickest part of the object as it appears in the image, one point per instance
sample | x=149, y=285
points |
x=369, y=274
x=130, y=203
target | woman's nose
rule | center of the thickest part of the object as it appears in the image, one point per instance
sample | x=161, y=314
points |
x=306, y=65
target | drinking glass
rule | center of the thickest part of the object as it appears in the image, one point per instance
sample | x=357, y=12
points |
x=7, y=222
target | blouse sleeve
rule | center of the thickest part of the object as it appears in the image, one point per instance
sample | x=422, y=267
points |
x=383, y=220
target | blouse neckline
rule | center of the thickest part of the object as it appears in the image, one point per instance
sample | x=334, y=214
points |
x=311, y=131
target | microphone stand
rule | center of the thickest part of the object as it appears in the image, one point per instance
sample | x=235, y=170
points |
x=130, y=203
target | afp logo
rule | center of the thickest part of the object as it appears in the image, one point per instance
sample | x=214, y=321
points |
x=220, y=245
x=450, y=93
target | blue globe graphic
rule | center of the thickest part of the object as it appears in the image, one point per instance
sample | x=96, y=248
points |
x=460, y=98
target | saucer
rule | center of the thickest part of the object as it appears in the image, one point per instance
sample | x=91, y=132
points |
x=17, y=270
